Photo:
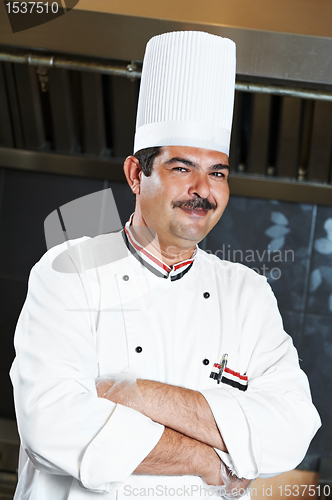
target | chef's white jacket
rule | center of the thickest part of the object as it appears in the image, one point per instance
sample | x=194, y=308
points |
x=88, y=308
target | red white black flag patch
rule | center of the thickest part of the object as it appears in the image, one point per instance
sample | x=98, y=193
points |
x=221, y=373
x=234, y=379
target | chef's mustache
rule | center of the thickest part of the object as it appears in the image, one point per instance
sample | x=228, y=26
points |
x=195, y=203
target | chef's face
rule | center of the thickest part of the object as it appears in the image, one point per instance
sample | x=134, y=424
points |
x=185, y=195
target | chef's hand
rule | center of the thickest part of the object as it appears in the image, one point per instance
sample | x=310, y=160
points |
x=222, y=481
x=120, y=389
x=233, y=486
x=103, y=385
x=211, y=474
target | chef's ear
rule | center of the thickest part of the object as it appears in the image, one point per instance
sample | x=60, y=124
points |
x=133, y=172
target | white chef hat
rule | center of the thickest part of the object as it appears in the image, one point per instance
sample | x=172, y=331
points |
x=187, y=92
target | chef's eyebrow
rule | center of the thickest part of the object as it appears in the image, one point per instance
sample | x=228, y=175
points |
x=185, y=161
x=219, y=166
x=189, y=163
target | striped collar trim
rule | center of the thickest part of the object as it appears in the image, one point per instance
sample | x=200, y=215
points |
x=152, y=262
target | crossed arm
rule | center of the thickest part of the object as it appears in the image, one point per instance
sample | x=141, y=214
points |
x=183, y=410
x=190, y=435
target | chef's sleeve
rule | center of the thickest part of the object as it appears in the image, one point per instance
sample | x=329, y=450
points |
x=267, y=428
x=64, y=427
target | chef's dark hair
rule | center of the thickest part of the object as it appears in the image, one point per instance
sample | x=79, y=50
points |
x=146, y=157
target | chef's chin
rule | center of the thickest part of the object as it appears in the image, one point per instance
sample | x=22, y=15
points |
x=189, y=232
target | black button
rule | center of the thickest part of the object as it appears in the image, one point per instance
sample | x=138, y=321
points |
x=138, y=349
x=125, y=277
x=206, y=361
x=206, y=295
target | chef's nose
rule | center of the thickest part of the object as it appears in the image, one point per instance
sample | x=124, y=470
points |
x=200, y=185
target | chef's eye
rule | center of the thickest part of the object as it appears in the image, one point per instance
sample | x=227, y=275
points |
x=180, y=169
x=220, y=175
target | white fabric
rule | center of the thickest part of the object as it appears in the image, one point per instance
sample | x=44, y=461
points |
x=76, y=327
x=187, y=92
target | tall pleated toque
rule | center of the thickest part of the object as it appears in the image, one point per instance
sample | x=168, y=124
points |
x=187, y=91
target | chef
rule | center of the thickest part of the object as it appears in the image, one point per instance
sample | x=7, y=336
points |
x=145, y=366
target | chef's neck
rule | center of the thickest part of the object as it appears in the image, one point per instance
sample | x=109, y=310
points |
x=169, y=252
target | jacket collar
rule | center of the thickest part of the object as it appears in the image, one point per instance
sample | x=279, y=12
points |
x=151, y=262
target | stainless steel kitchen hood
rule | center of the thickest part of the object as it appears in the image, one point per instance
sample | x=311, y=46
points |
x=279, y=41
